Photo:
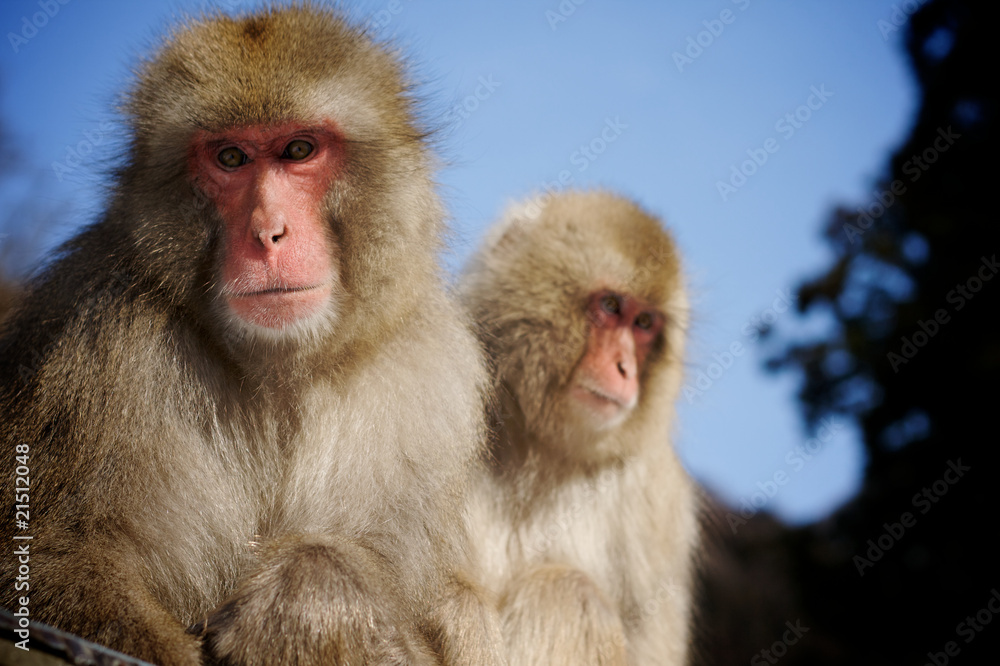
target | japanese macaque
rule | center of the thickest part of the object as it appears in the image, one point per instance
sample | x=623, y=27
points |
x=240, y=411
x=585, y=523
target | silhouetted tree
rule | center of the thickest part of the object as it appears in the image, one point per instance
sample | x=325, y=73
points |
x=914, y=360
x=907, y=572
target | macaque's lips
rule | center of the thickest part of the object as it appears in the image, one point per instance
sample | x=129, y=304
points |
x=278, y=307
x=601, y=403
x=277, y=290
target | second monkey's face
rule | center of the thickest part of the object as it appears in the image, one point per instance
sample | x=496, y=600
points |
x=600, y=389
x=605, y=385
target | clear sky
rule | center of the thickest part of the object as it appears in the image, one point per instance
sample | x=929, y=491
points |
x=662, y=101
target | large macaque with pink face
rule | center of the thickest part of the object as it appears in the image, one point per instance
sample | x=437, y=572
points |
x=239, y=409
x=585, y=522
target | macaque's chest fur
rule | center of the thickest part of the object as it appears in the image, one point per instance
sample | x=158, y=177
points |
x=576, y=524
x=334, y=472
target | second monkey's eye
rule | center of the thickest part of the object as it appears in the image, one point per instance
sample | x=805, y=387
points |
x=644, y=321
x=232, y=157
x=610, y=304
x=297, y=150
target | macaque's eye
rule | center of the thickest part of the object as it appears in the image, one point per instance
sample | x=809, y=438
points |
x=644, y=321
x=232, y=157
x=297, y=150
x=610, y=304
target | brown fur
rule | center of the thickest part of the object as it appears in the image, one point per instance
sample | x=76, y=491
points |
x=296, y=499
x=585, y=537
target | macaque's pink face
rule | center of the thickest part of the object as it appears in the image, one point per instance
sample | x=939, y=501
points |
x=605, y=384
x=278, y=262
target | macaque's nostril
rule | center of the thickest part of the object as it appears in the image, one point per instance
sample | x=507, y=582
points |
x=269, y=238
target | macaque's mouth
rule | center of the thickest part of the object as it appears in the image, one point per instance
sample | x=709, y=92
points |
x=602, y=400
x=276, y=291
x=600, y=395
x=278, y=307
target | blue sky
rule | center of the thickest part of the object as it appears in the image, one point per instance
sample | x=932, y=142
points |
x=740, y=122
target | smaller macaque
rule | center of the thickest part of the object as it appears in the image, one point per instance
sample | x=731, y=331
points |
x=585, y=523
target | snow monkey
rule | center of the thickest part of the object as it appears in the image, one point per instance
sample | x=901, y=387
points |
x=248, y=408
x=585, y=522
